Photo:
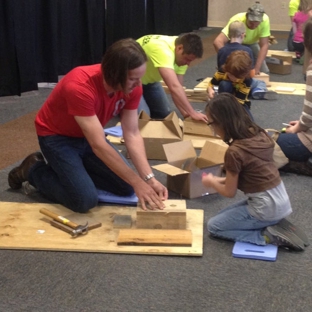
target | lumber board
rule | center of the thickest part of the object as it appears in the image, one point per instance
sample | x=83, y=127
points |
x=281, y=53
x=147, y=237
x=299, y=87
x=23, y=227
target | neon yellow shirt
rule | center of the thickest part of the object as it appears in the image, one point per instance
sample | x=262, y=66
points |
x=252, y=35
x=293, y=7
x=160, y=51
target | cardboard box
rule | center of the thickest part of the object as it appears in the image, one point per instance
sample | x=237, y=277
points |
x=279, y=64
x=155, y=133
x=184, y=168
x=191, y=126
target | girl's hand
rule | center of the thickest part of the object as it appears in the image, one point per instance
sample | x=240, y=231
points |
x=207, y=179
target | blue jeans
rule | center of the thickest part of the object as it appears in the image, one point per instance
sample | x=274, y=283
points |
x=227, y=86
x=236, y=224
x=257, y=84
x=73, y=173
x=293, y=147
x=155, y=101
x=255, y=48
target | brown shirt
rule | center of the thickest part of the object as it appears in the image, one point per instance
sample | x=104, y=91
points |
x=252, y=159
x=306, y=117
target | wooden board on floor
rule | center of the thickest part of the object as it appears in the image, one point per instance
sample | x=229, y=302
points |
x=288, y=88
x=299, y=87
x=281, y=53
x=22, y=226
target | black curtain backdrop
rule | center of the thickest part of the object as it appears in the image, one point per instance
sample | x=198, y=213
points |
x=126, y=19
x=178, y=16
x=42, y=39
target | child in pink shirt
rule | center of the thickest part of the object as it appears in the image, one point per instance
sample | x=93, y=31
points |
x=305, y=11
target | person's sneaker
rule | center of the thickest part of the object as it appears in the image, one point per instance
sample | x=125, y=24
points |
x=298, y=167
x=264, y=95
x=289, y=226
x=283, y=238
x=19, y=174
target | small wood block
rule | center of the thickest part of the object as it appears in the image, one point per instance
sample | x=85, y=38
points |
x=145, y=237
x=122, y=221
x=264, y=77
x=172, y=217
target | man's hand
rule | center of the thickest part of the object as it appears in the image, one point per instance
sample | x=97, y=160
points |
x=199, y=116
x=151, y=194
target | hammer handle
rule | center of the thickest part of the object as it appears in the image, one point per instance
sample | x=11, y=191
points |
x=58, y=218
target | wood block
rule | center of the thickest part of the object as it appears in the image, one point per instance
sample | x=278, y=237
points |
x=145, y=237
x=172, y=217
x=264, y=77
x=122, y=221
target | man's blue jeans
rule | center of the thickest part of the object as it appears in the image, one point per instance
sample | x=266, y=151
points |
x=255, y=48
x=73, y=173
x=293, y=147
x=154, y=101
x=235, y=223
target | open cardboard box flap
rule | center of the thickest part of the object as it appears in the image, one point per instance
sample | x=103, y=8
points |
x=157, y=132
x=168, y=127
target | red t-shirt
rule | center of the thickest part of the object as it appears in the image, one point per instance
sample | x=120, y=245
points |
x=81, y=93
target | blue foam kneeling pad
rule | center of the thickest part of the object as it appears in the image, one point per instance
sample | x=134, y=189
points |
x=252, y=251
x=107, y=197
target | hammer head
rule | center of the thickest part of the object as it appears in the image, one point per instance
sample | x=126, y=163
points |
x=80, y=230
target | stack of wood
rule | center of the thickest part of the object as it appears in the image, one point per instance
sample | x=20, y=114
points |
x=198, y=94
x=272, y=40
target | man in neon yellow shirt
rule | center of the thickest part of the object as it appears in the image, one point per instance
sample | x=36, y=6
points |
x=257, y=34
x=168, y=58
x=292, y=9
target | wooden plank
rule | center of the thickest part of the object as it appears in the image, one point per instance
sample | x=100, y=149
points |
x=145, y=237
x=22, y=226
x=284, y=87
x=299, y=87
x=281, y=53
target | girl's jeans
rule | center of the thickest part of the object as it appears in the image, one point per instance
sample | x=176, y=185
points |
x=235, y=223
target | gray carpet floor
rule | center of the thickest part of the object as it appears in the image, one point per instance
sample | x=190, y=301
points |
x=69, y=281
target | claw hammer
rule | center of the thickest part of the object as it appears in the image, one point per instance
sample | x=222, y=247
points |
x=77, y=229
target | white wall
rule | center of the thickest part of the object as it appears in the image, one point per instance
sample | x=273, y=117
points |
x=220, y=11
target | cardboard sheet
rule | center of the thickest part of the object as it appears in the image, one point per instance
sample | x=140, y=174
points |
x=22, y=226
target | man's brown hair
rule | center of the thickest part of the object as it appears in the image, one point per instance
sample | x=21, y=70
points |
x=238, y=63
x=192, y=44
x=119, y=58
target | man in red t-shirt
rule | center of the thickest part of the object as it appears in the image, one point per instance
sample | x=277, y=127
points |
x=70, y=131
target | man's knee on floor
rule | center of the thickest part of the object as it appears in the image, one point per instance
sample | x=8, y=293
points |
x=84, y=203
